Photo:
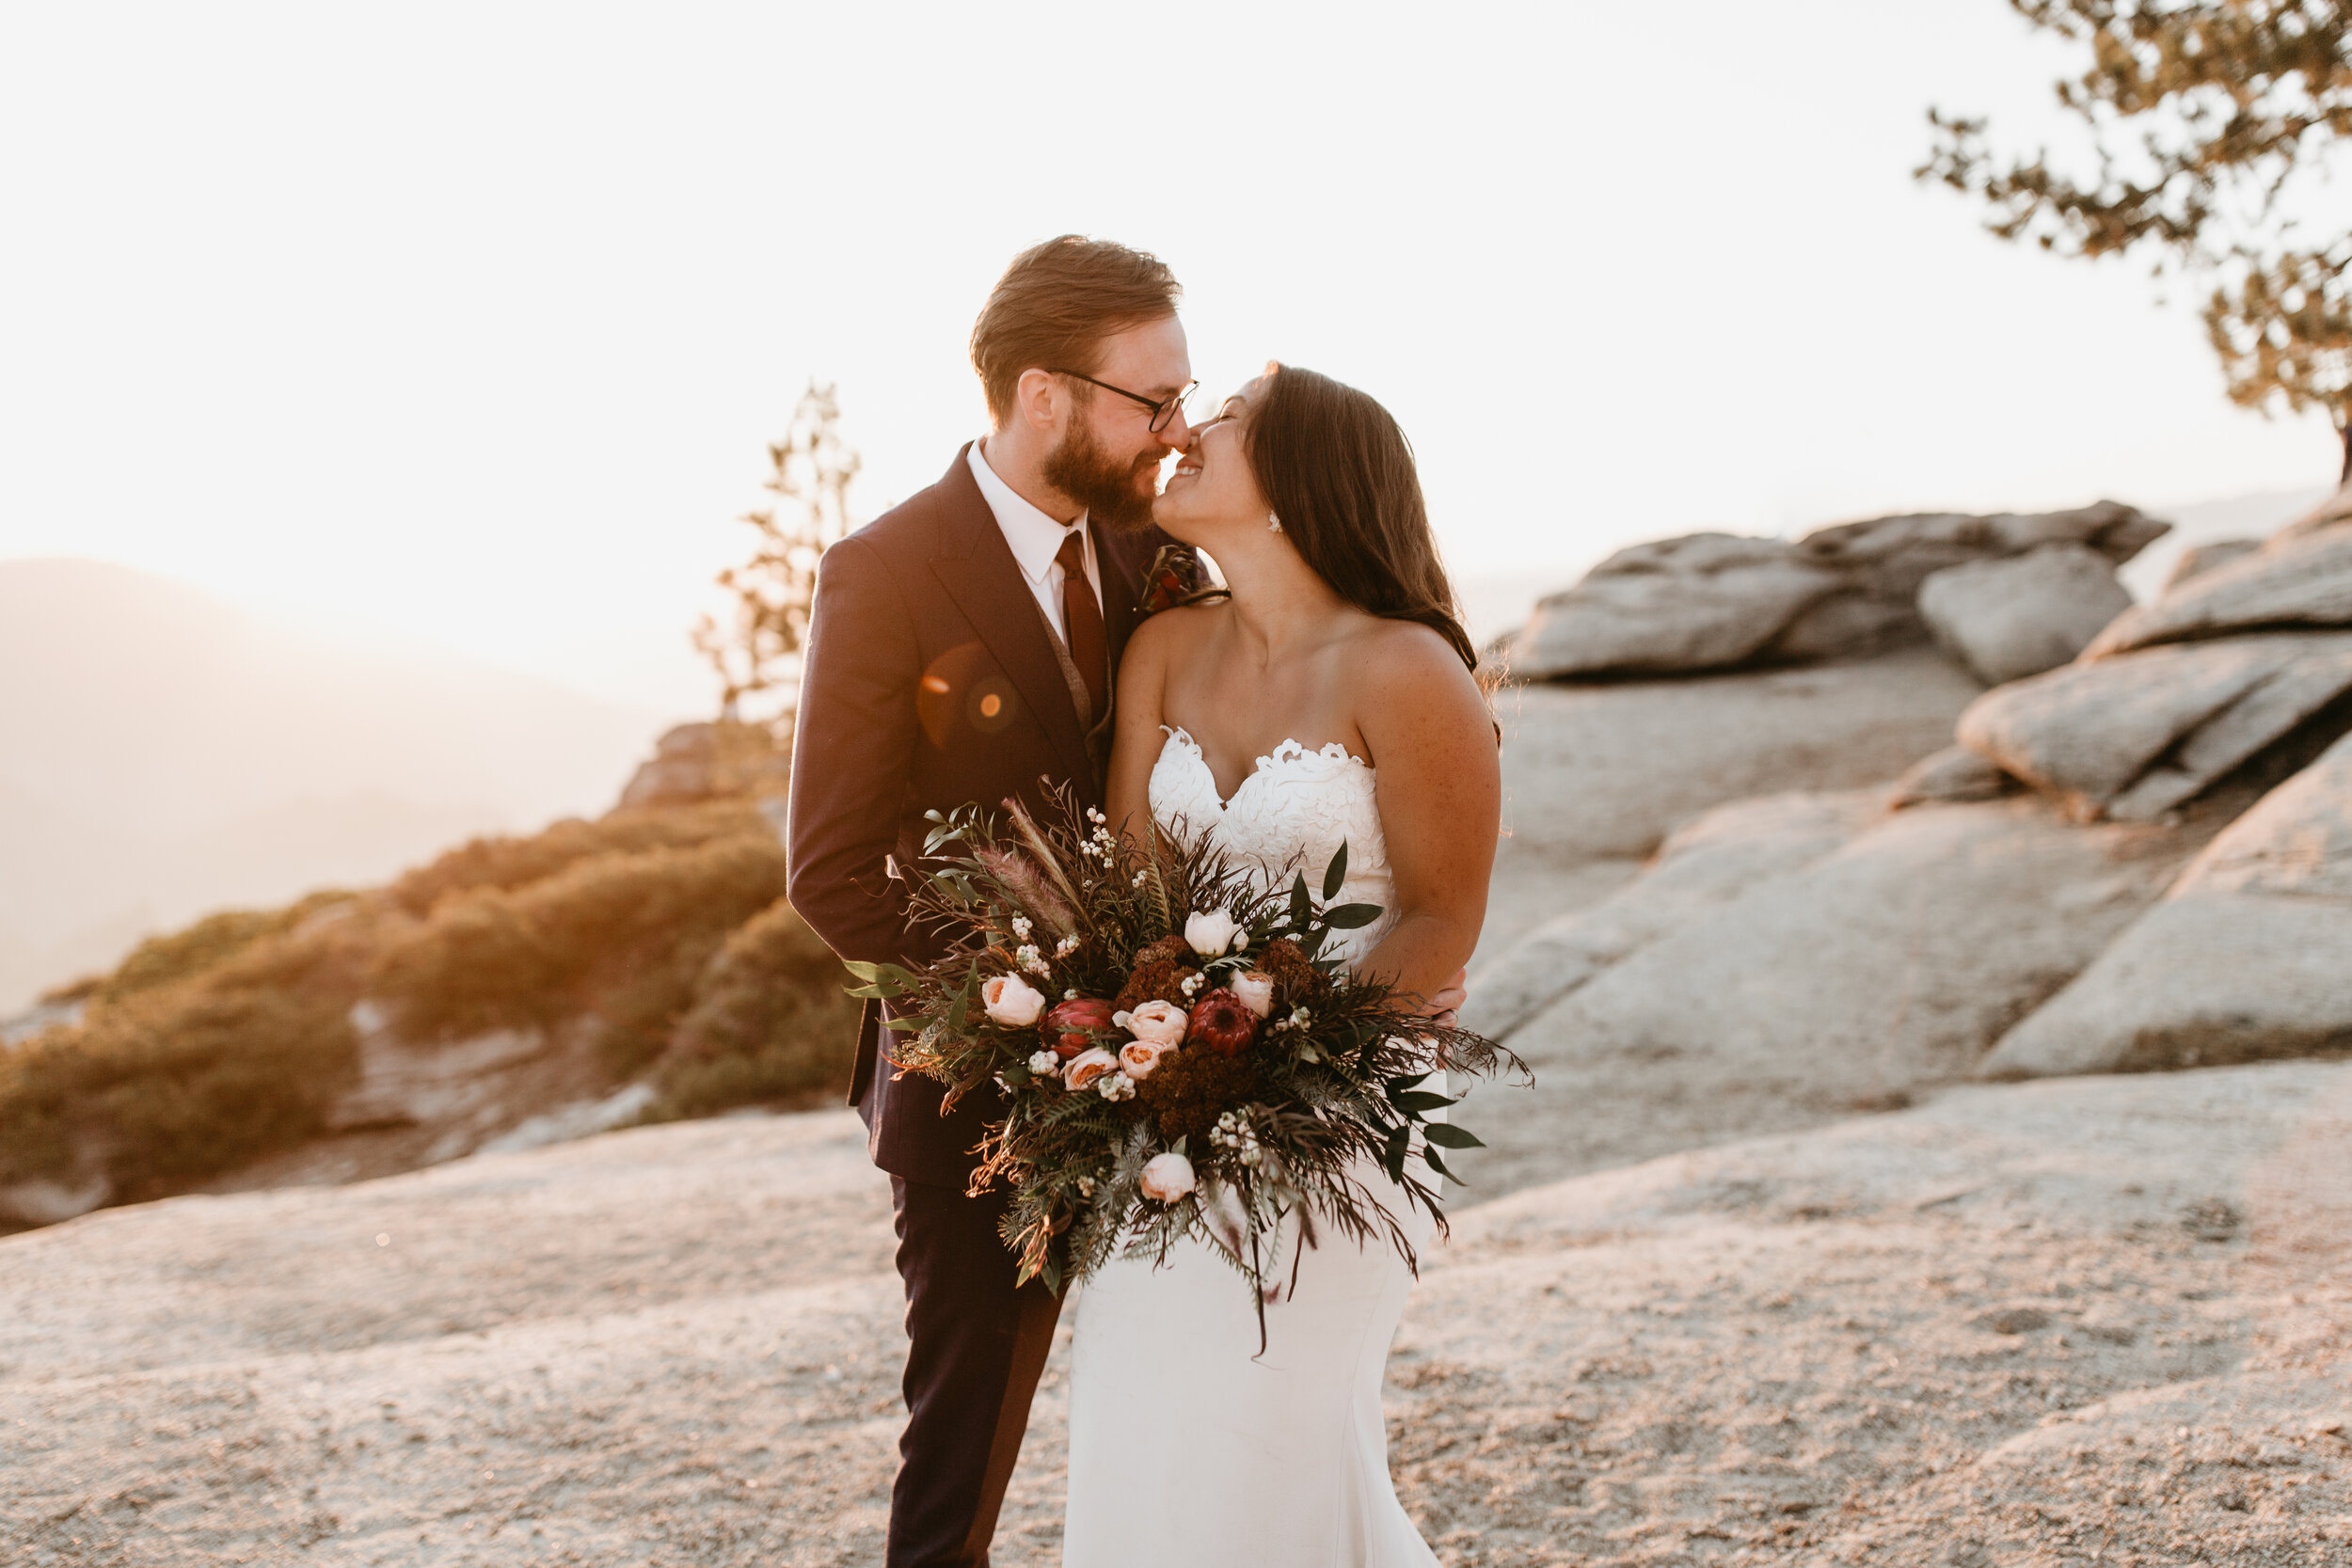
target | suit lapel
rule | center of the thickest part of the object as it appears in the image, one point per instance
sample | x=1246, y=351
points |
x=976, y=566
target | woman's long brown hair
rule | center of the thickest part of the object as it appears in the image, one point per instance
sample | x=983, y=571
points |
x=1340, y=474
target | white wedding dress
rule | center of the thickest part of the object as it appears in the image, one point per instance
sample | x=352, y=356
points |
x=1188, y=1448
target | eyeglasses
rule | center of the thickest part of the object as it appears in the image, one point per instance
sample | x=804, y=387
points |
x=1161, y=411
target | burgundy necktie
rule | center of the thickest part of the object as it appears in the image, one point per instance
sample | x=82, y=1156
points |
x=1081, y=622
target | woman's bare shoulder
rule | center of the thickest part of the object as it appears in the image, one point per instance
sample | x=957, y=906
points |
x=1386, y=649
x=1406, y=674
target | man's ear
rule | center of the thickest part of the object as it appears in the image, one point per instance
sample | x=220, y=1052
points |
x=1037, y=401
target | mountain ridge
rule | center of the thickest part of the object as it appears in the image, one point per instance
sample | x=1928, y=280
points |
x=164, y=752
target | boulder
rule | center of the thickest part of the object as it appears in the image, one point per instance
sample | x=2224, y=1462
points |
x=1707, y=601
x=2019, y=616
x=1707, y=862
x=692, y=763
x=2197, y=560
x=1893, y=556
x=1608, y=770
x=2327, y=514
x=2248, y=955
x=1713, y=601
x=2301, y=580
x=2133, y=735
x=1952, y=775
x=1816, y=957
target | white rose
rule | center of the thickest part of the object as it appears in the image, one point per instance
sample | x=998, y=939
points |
x=1087, y=1066
x=1209, y=932
x=1162, y=1024
x=1256, y=990
x=1011, y=1001
x=1139, y=1059
x=1168, y=1177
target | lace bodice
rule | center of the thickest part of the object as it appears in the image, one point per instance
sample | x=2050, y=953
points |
x=1291, y=813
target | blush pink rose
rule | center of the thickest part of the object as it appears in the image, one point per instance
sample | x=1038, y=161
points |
x=1137, y=1058
x=1011, y=1001
x=1162, y=1024
x=1256, y=990
x=1087, y=1066
x=1168, y=1177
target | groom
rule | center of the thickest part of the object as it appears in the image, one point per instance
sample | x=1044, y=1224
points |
x=963, y=648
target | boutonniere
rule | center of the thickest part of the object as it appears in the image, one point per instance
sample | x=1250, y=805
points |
x=1175, y=577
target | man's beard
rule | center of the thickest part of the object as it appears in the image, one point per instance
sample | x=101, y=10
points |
x=1083, y=470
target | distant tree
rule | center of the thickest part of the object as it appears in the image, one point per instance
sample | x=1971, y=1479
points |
x=2213, y=122
x=756, y=648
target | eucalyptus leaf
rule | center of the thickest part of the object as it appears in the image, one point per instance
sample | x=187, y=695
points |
x=1447, y=1135
x=1336, y=875
x=1418, y=1099
x=1429, y=1158
x=1346, y=917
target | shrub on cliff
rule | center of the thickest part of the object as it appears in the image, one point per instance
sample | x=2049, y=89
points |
x=622, y=935
x=508, y=863
x=200, y=1053
x=664, y=929
x=771, y=1022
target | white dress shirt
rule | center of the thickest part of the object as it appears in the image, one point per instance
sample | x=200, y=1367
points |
x=1036, y=540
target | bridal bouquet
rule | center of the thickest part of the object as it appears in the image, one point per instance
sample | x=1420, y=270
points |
x=1177, y=1056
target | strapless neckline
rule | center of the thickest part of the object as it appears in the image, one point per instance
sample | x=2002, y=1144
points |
x=1288, y=749
x=1290, y=816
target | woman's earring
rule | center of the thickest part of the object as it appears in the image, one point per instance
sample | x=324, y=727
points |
x=1273, y=523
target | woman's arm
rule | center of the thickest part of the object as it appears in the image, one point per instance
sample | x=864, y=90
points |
x=1136, y=739
x=1439, y=781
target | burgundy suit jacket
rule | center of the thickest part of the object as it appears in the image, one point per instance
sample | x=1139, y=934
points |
x=929, y=680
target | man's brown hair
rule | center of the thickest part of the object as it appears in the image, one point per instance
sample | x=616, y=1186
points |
x=1054, y=306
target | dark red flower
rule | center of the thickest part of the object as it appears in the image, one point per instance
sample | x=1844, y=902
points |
x=1077, y=1024
x=1223, y=1023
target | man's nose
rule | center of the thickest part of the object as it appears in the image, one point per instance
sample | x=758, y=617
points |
x=1179, y=432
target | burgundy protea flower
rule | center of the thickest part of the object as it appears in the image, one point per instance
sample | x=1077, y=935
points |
x=1078, y=1024
x=1222, y=1023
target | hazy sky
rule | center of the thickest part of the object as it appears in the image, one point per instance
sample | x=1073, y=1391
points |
x=467, y=322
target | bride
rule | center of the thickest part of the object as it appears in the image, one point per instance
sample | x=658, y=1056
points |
x=1329, y=699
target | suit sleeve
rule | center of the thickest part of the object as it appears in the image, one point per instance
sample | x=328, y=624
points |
x=853, y=742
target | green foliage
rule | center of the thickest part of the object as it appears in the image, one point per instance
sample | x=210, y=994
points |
x=769, y=1024
x=175, y=1081
x=211, y=942
x=2214, y=123
x=811, y=470
x=216, y=1045
x=621, y=934
x=508, y=863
